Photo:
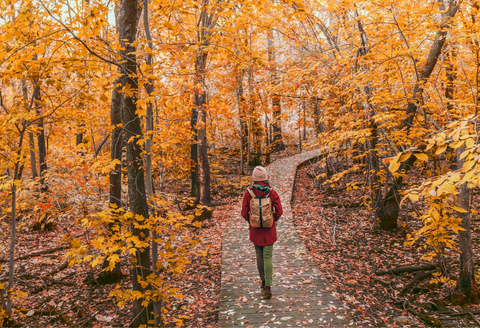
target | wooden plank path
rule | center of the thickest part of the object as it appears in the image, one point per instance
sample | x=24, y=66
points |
x=301, y=297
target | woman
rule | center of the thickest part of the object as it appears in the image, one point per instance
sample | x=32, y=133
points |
x=263, y=238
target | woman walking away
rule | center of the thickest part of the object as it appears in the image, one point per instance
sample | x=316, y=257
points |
x=262, y=209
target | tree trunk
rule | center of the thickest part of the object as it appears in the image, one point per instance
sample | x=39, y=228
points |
x=466, y=289
x=128, y=21
x=389, y=206
x=451, y=75
x=115, y=175
x=195, y=185
x=276, y=101
x=304, y=107
x=317, y=114
x=266, y=131
x=299, y=137
x=116, y=146
x=33, y=161
x=203, y=165
x=205, y=24
x=79, y=136
x=157, y=304
x=249, y=116
x=13, y=227
x=42, y=149
x=239, y=104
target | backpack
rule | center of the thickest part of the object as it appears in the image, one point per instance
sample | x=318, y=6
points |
x=261, y=213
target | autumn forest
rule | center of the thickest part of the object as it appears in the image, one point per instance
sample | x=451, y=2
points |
x=130, y=130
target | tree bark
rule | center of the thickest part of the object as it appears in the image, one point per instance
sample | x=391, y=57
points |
x=157, y=304
x=239, y=104
x=128, y=22
x=299, y=137
x=466, y=289
x=116, y=146
x=42, y=149
x=266, y=131
x=276, y=101
x=206, y=23
x=13, y=227
x=33, y=161
x=115, y=176
x=317, y=113
x=451, y=75
x=304, y=107
x=195, y=183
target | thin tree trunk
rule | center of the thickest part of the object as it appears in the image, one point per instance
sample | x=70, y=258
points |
x=13, y=227
x=115, y=177
x=33, y=161
x=157, y=304
x=250, y=90
x=304, y=105
x=317, y=113
x=42, y=149
x=451, y=75
x=266, y=131
x=299, y=137
x=128, y=21
x=116, y=146
x=79, y=136
x=205, y=24
x=271, y=134
x=276, y=102
x=239, y=104
x=195, y=184
x=466, y=289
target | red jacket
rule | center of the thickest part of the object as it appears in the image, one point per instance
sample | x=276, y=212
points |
x=262, y=236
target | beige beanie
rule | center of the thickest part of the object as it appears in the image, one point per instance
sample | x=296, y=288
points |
x=259, y=174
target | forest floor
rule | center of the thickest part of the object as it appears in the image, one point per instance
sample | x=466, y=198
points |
x=340, y=236
x=56, y=295
x=337, y=231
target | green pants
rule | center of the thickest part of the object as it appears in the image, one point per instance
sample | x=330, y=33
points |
x=264, y=263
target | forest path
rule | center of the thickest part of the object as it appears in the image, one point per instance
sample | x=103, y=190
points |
x=301, y=296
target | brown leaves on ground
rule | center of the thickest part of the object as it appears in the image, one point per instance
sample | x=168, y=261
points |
x=68, y=299
x=348, y=251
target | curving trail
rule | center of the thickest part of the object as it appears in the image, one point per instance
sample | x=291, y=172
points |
x=301, y=297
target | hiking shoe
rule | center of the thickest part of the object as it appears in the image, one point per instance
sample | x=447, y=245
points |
x=268, y=292
x=263, y=285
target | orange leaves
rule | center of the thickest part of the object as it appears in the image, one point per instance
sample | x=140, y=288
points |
x=421, y=156
x=397, y=161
